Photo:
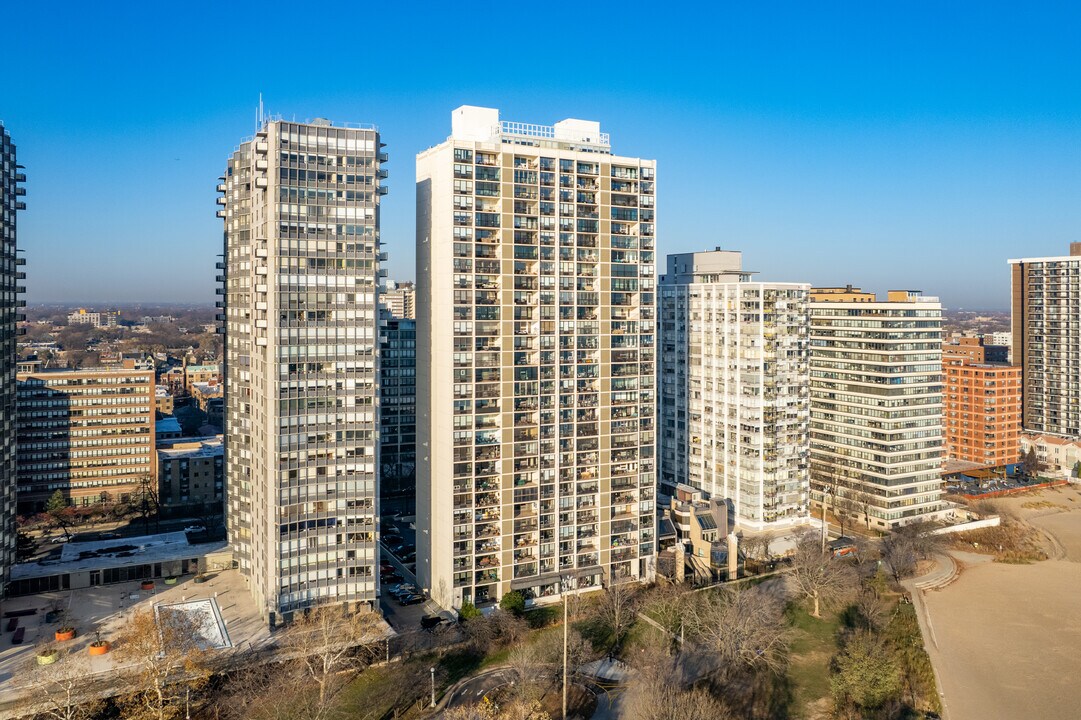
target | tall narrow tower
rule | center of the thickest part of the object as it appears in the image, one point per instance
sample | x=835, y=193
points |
x=301, y=210
x=735, y=398
x=10, y=204
x=535, y=377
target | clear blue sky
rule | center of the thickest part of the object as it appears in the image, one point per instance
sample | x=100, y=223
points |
x=901, y=145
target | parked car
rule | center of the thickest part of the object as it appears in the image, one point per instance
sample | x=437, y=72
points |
x=194, y=529
x=408, y=556
x=411, y=599
x=391, y=577
x=110, y=535
x=399, y=589
x=433, y=622
x=392, y=531
x=395, y=546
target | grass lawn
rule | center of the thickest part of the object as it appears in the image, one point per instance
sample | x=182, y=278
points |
x=814, y=642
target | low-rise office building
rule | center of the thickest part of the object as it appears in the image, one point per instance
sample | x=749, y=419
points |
x=87, y=433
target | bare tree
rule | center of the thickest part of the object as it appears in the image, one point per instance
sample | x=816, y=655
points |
x=755, y=548
x=667, y=605
x=167, y=663
x=617, y=609
x=331, y=643
x=903, y=548
x=741, y=627
x=658, y=692
x=63, y=690
x=817, y=576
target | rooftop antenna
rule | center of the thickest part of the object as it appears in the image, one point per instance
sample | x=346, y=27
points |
x=259, y=115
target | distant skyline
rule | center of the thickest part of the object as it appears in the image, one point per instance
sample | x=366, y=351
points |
x=909, y=146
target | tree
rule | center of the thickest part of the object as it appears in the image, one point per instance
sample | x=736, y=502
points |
x=741, y=628
x=1030, y=462
x=166, y=660
x=903, y=548
x=468, y=611
x=658, y=692
x=617, y=608
x=330, y=644
x=864, y=501
x=1077, y=469
x=867, y=675
x=58, y=509
x=64, y=690
x=755, y=547
x=513, y=602
x=817, y=576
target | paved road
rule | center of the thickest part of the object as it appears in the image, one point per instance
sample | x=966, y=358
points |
x=474, y=689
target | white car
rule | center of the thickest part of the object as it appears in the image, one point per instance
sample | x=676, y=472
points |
x=194, y=529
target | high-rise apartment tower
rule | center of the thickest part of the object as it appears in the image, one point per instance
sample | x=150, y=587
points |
x=11, y=177
x=302, y=365
x=1046, y=316
x=876, y=405
x=734, y=402
x=535, y=382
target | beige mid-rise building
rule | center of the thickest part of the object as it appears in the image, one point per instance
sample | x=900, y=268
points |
x=876, y=405
x=86, y=433
x=535, y=361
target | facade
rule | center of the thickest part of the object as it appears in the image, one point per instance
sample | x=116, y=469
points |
x=1046, y=318
x=87, y=433
x=163, y=401
x=876, y=406
x=191, y=475
x=535, y=381
x=734, y=388
x=301, y=210
x=196, y=374
x=398, y=408
x=1060, y=457
x=11, y=192
x=82, y=316
x=400, y=301
x=704, y=529
x=983, y=411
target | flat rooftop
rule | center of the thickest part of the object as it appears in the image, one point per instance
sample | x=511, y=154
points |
x=123, y=552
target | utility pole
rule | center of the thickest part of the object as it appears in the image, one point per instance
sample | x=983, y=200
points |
x=565, y=631
x=432, y=670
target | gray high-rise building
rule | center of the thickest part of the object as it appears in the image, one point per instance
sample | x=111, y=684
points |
x=10, y=177
x=398, y=408
x=301, y=209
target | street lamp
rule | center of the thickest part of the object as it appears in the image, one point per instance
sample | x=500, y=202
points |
x=564, y=585
x=432, y=670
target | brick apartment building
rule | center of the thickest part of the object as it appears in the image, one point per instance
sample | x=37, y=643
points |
x=983, y=406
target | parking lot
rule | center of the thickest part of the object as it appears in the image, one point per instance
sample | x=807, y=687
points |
x=405, y=619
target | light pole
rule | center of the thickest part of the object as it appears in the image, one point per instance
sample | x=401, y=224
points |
x=565, y=586
x=432, y=670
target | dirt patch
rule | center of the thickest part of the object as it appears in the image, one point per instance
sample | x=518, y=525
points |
x=1014, y=541
x=1007, y=639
